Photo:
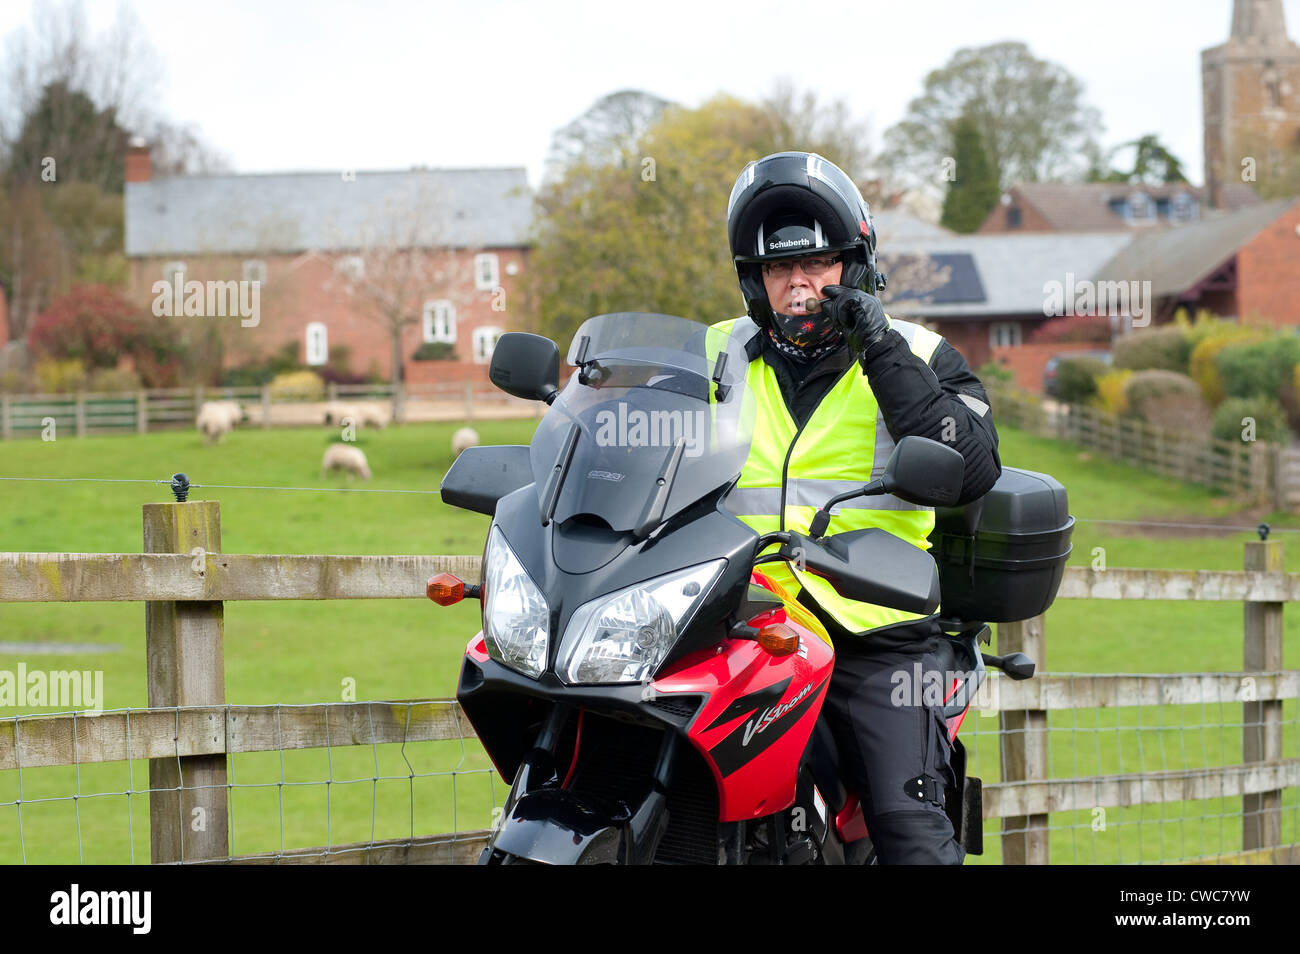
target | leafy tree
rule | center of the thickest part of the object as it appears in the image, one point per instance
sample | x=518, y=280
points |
x=607, y=133
x=1153, y=164
x=65, y=137
x=974, y=191
x=1030, y=113
x=631, y=236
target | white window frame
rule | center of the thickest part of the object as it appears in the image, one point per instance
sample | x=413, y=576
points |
x=170, y=267
x=487, y=271
x=351, y=267
x=482, y=353
x=318, y=354
x=440, y=321
x=1182, y=208
x=253, y=270
x=1012, y=333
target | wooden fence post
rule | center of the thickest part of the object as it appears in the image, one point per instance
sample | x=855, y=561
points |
x=332, y=391
x=1261, y=729
x=5, y=426
x=81, y=414
x=1024, y=748
x=184, y=645
x=469, y=401
x=141, y=412
x=266, y=405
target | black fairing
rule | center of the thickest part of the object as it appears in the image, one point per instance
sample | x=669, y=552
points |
x=544, y=551
x=481, y=476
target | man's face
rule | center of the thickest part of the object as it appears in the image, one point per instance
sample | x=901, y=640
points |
x=788, y=292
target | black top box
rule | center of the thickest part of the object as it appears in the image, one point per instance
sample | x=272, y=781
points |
x=1002, y=557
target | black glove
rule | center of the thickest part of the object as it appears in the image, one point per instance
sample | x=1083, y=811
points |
x=861, y=317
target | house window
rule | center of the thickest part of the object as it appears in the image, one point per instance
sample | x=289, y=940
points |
x=318, y=347
x=1140, y=207
x=351, y=267
x=171, y=268
x=1013, y=216
x=254, y=270
x=487, y=274
x=1183, y=208
x=440, y=321
x=485, y=340
x=1003, y=334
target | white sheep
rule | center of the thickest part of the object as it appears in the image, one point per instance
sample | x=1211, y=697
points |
x=463, y=439
x=337, y=411
x=347, y=458
x=375, y=415
x=218, y=418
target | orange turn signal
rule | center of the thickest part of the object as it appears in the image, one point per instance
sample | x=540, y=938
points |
x=445, y=589
x=778, y=639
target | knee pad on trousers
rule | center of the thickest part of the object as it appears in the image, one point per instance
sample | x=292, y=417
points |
x=915, y=838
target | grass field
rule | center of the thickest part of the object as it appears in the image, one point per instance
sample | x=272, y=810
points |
x=296, y=652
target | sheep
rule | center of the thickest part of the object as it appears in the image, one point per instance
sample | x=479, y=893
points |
x=218, y=418
x=345, y=457
x=361, y=415
x=463, y=439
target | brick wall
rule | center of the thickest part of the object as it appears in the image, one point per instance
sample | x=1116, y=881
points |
x=307, y=288
x=1027, y=361
x=4, y=320
x=1268, y=272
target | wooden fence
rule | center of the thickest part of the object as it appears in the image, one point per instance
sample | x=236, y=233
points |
x=1255, y=469
x=138, y=412
x=189, y=731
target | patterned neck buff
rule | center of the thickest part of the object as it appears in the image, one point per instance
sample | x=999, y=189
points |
x=800, y=353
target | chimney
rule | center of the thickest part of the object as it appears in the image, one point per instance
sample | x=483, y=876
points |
x=137, y=161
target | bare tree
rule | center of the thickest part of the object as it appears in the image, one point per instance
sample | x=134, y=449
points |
x=406, y=257
x=606, y=134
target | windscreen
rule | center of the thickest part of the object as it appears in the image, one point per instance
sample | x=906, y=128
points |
x=657, y=402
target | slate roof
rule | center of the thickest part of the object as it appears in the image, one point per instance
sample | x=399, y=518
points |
x=896, y=225
x=1011, y=270
x=321, y=211
x=1174, y=260
x=1079, y=207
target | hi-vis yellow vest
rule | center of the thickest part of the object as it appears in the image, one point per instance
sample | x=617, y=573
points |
x=792, y=471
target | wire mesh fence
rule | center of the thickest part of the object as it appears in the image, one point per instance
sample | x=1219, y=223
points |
x=1154, y=782
x=304, y=783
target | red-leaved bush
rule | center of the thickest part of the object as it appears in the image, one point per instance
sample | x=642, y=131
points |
x=96, y=326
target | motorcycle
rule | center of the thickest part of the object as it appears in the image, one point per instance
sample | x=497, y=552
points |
x=653, y=694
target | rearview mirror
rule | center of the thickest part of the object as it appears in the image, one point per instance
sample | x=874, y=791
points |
x=526, y=366
x=925, y=472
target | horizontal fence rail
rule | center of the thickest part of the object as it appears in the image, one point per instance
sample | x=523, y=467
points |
x=188, y=732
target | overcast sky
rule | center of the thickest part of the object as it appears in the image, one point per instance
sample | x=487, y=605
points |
x=385, y=84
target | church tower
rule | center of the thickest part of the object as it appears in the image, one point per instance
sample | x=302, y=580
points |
x=1251, y=88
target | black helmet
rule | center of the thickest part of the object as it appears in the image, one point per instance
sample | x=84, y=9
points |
x=792, y=204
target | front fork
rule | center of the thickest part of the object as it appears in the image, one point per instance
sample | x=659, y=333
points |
x=546, y=821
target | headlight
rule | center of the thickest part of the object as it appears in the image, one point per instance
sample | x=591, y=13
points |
x=624, y=636
x=515, y=614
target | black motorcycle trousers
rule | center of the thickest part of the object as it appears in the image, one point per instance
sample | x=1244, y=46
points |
x=894, y=751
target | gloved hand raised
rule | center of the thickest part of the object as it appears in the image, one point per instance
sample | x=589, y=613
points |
x=860, y=316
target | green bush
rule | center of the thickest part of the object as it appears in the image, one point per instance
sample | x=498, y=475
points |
x=1167, y=400
x=1161, y=349
x=1076, y=378
x=434, y=351
x=1235, y=414
x=1259, y=368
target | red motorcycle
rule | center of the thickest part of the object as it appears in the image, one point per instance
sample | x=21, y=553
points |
x=652, y=694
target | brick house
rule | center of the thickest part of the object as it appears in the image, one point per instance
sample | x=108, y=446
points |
x=1105, y=206
x=1244, y=265
x=324, y=246
x=991, y=291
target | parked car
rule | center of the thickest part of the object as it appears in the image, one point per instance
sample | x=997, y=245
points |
x=1049, y=370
